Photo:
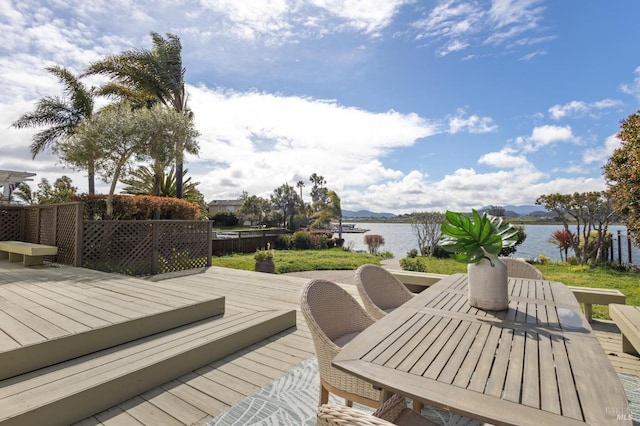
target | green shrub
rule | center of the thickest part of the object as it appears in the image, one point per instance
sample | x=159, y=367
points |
x=385, y=255
x=283, y=242
x=261, y=255
x=319, y=241
x=440, y=253
x=225, y=219
x=544, y=260
x=301, y=240
x=593, y=244
x=413, y=253
x=138, y=207
x=413, y=264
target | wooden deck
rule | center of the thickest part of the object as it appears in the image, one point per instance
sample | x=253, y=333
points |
x=199, y=395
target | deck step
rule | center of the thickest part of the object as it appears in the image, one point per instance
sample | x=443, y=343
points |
x=23, y=359
x=73, y=390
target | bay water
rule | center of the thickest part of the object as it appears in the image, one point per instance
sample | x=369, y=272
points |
x=399, y=239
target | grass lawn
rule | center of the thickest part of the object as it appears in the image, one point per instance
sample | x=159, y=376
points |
x=301, y=260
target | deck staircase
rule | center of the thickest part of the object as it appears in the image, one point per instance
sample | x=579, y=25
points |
x=65, y=380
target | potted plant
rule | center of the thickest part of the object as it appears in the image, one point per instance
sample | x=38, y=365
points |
x=264, y=261
x=477, y=241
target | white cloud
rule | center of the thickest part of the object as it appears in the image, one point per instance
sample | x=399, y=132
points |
x=573, y=108
x=514, y=12
x=369, y=16
x=532, y=55
x=576, y=109
x=267, y=139
x=633, y=88
x=507, y=158
x=472, y=124
x=275, y=22
x=512, y=18
x=545, y=135
x=455, y=25
x=601, y=154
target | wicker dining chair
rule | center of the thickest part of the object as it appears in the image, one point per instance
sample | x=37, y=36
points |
x=521, y=269
x=379, y=290
x=334, y=318
x=394, y=411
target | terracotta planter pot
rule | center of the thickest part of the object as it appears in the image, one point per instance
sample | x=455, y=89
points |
x=488, y=284
x=266, y=265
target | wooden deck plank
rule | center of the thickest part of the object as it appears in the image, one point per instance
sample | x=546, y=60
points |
x=60, y=320
x=222, y=378
x=178, y=408
x=15, y=328
x=238, y=287
x=116, y=416
x=63, y=297
x=195, y=393
x=146, y=413
x=80, y=373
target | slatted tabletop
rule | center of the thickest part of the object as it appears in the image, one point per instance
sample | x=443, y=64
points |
x=538, y=362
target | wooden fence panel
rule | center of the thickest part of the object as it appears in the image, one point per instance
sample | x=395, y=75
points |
x=137, y=247
x=244, y=241
x=11, y=223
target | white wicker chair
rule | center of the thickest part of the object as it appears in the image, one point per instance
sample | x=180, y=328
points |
x=520, y=269
x=334, y=318
x=393, y=412
x=379, y=290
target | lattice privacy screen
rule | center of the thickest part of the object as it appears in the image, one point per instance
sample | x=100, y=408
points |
x=136, y=247
x=11, y=223
x=55, y=225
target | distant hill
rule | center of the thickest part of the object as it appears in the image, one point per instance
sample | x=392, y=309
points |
x=510, y=212
x=364, y=214
x=517, y=211
x=525, y=210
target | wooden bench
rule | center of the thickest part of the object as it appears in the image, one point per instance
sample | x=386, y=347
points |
x=597, y=296
x=28, y=253
x=416, y=281
x=627, y=319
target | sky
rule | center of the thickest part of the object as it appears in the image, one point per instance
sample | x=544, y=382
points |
x=401, y=105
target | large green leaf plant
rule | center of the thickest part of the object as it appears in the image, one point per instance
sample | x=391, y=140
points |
x=469, y=239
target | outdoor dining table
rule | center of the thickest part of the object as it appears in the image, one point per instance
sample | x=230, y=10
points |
x=539, y=362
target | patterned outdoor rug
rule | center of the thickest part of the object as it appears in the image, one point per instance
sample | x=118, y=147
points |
x=292, y=400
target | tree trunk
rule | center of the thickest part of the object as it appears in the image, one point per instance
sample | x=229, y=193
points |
x=179, y=167
x=91, y=172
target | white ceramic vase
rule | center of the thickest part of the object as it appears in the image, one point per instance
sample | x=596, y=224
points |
x=488, y=284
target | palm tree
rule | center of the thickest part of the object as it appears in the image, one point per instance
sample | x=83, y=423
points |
x=61, y=115
x=141, y=183
x=331, y=210
x=146, y=77
x=300, y=184
x=24, y=193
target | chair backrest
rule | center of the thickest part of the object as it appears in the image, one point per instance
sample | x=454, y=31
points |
x=332, y=310
x=380, y=290
x=520, y=269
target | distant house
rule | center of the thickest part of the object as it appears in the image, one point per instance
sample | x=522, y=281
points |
x=219, y=206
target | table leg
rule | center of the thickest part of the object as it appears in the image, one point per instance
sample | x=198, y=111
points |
x=385, y=395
